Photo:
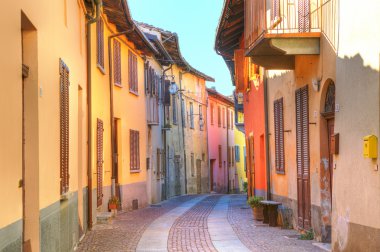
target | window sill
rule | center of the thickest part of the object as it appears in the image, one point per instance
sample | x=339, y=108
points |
x=280, y=172
x=118, y=85
x=101, y=69
x=135, y=171
x=133, y=92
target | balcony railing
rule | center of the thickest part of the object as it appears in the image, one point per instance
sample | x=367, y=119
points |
x=289, y=17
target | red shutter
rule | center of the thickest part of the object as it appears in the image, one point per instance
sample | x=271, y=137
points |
x=64, y=127
x=99, y=151
x=240, y=65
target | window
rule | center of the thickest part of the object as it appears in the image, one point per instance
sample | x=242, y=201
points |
x=100, y=44
x=158, y=169
x=212, y=113
x=116, y=63
x=134, y=141
x=152, y=84
x=132, y=72
x=279, y=135
x=224, y=117
x=192, y=165
x=228, y=156
x=220, y=155
x=219, y=117
x=99, y=161
x=200, y=118
x=232, y=120
x=228, y=120
x=183, y=113
x=237, y=153
x=191, y=115
x=64, y=84
x=174, y=109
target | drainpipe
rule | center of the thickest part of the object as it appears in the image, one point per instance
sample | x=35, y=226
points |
x=267, y=135
x=208, y=149
x=183, y=129
x=90, y=20
x=228, y=157
x=113, y=140
x=164, y=136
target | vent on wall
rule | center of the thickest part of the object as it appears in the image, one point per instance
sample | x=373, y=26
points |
x=135, y=204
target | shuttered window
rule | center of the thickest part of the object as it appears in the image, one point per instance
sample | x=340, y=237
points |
x=117, y=62
x=275, y=9
x=134, y=141
x=152, y=91
x=228, y=156
x=232, y=156
x=303, y=166
x=220, y=155
x=224, y=117
x=219, y=117
x=279, y=135
x=192, y=165
x=64, y=84
x=212, y=114
x=200, y=118
x=183, y=113
x=158, y=168
x=132, y=72
x=191, y=116
x=100, y=43
x=175, y=112
x=237, y=153
x=228, y=120
x=99, y=161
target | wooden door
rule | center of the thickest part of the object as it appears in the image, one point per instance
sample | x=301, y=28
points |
x=330, y=129
x=252, y=164
x=212, y=163
x=177, y=184
x=199, y=178
x=303, y=157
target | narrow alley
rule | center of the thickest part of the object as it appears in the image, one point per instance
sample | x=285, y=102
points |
x=208, y=222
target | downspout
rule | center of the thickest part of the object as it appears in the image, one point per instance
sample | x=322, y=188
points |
x=90, y=20
x=164, y=136
x=267, y=135
x=208, y=149
x=113, y=140
x=183, y=129
x=228, y=157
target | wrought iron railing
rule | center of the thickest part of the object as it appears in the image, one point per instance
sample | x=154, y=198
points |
x=289, y=17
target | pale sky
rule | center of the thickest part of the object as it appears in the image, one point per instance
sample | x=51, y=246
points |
x=195, y=22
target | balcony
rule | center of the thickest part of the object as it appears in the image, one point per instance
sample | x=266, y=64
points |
x=277, y=30
x=239, y=111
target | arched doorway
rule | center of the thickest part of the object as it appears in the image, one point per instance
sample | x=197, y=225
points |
x=327, y=156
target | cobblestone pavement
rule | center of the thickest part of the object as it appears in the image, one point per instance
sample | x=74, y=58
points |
x=125, y=231
x=258, y=237
x=190, y=231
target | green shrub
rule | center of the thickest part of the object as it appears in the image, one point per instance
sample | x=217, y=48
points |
x=255, y=201
x=245, y=187
x=308, y=235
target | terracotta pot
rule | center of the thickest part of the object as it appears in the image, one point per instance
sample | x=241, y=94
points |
x=258, y=213
x=112, y=206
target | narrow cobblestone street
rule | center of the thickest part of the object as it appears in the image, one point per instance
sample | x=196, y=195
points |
x=192, y=223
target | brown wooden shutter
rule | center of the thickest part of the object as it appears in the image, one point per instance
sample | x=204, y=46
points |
x=220, y=155
x=100, y=42
x=304, y=15
x=166, y=93
x=137, y=150
x=219, y=116
x=240, y=64
x=117, y=62
x=64, y=127
x=130, y=70
x=212, y=113
x=131, y=150
x=99, y=154
x=279, y=135
x=303, y=164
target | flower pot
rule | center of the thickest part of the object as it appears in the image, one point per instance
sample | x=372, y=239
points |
x=258, y=213
x=112, y=206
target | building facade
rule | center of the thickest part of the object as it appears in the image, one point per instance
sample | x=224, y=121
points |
x=221, y=139
x=310, y=75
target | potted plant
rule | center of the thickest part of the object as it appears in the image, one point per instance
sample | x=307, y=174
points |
x=113, y=203
x=257, y=208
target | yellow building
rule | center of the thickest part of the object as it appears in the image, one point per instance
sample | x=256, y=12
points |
x=184, y=123
x=118, y=128
x=43, y=129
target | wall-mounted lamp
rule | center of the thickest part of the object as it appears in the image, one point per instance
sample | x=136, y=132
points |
x=316, y=84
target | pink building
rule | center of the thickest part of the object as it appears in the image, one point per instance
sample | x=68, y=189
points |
x=220, y=122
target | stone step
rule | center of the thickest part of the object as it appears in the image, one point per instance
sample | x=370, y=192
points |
x=104, y=218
